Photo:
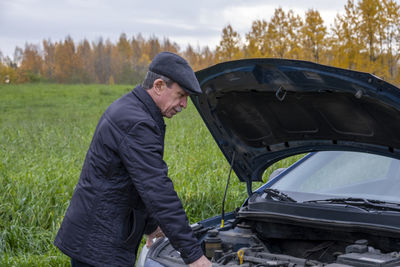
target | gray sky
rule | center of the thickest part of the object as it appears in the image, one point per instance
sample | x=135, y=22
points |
x=195, y=22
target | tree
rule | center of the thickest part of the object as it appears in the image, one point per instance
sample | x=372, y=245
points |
x=140, y=60
x=49, y=61
x=7, y=73
x=102, y=61
x=229, y=47
x=18, y=55
x=85, y=62
x=137, y=44
x=346, y=42
x=295, y=24
x=124, y=47
x=121, y=63
x=169, y=46
x=191, y=56
x=207, y=58
x=392, y=33
x=313, y=35
x=257, y=40
x=31, y=65
x=153, y=47
x=66, y=67
x=278, y=33
x=369, y=28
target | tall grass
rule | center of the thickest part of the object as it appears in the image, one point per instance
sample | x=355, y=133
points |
x=45, y=131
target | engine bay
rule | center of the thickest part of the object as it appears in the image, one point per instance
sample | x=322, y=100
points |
x=255, y=239
x=243, y=246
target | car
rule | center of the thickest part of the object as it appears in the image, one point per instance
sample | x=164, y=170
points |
x=337, y=206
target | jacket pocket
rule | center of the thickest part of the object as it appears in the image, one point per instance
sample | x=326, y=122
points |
x=133, y=228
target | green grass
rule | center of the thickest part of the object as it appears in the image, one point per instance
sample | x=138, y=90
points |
x=45, y=130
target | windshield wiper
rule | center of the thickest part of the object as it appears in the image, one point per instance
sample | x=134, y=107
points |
x=360, y=202
x=276, y=194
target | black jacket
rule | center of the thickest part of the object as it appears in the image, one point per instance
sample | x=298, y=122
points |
x=124, y=190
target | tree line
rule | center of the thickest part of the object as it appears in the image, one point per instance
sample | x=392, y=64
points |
x=365, y=38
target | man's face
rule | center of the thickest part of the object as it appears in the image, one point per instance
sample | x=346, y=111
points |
x=172, y=100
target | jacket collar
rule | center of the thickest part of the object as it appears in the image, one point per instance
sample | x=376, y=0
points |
x=150, y=105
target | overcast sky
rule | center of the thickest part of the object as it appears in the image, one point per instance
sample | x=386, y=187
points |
x=196, y=22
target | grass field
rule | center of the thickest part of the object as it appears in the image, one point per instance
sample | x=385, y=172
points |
x=45, y=130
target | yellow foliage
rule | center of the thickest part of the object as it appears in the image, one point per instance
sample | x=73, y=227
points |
x=229, y=47
x=7, y=74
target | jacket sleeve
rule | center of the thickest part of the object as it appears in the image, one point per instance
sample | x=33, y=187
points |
x=142, y=154
x=151, y=225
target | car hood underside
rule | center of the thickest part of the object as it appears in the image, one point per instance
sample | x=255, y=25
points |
x=262, y=110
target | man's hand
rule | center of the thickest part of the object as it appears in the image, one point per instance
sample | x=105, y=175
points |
x=156, y=234
x=202, y=262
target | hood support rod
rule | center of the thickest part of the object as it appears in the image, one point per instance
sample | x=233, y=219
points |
x=249, y=186
x=226, y=189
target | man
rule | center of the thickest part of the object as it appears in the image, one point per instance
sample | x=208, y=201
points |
x=124, y=191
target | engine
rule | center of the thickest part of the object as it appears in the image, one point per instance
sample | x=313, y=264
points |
x=259, y=244
x=242, y=247
x=282, y=233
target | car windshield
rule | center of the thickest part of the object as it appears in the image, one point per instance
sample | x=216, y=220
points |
x=338, y=174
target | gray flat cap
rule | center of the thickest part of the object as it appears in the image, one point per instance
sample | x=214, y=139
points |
x=177, y=69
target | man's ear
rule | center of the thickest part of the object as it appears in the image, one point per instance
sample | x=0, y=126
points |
x=158, y=86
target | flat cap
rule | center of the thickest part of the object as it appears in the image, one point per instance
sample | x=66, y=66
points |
x=177, y=69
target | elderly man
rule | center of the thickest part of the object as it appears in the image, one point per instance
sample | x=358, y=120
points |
x=124, y=191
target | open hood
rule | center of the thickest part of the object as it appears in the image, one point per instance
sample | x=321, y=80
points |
x=263, y=110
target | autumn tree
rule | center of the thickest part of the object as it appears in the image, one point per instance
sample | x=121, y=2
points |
x=346, y=42
x=229, y=47
x=8, y=74
x=169, y=46
x=207, y=58
x=121, y=62
x=392, y=33
x=257, y=40
x=140, y=59
x=295, y=26
x=102, y=61
x=49, y=60
x=86, y=62
x=278, y=33
x=370, y=13
x=32, y=64
x=313, y=35
x=136, y=47
x=152, y=47
x=66, y=68
x=191, y=56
